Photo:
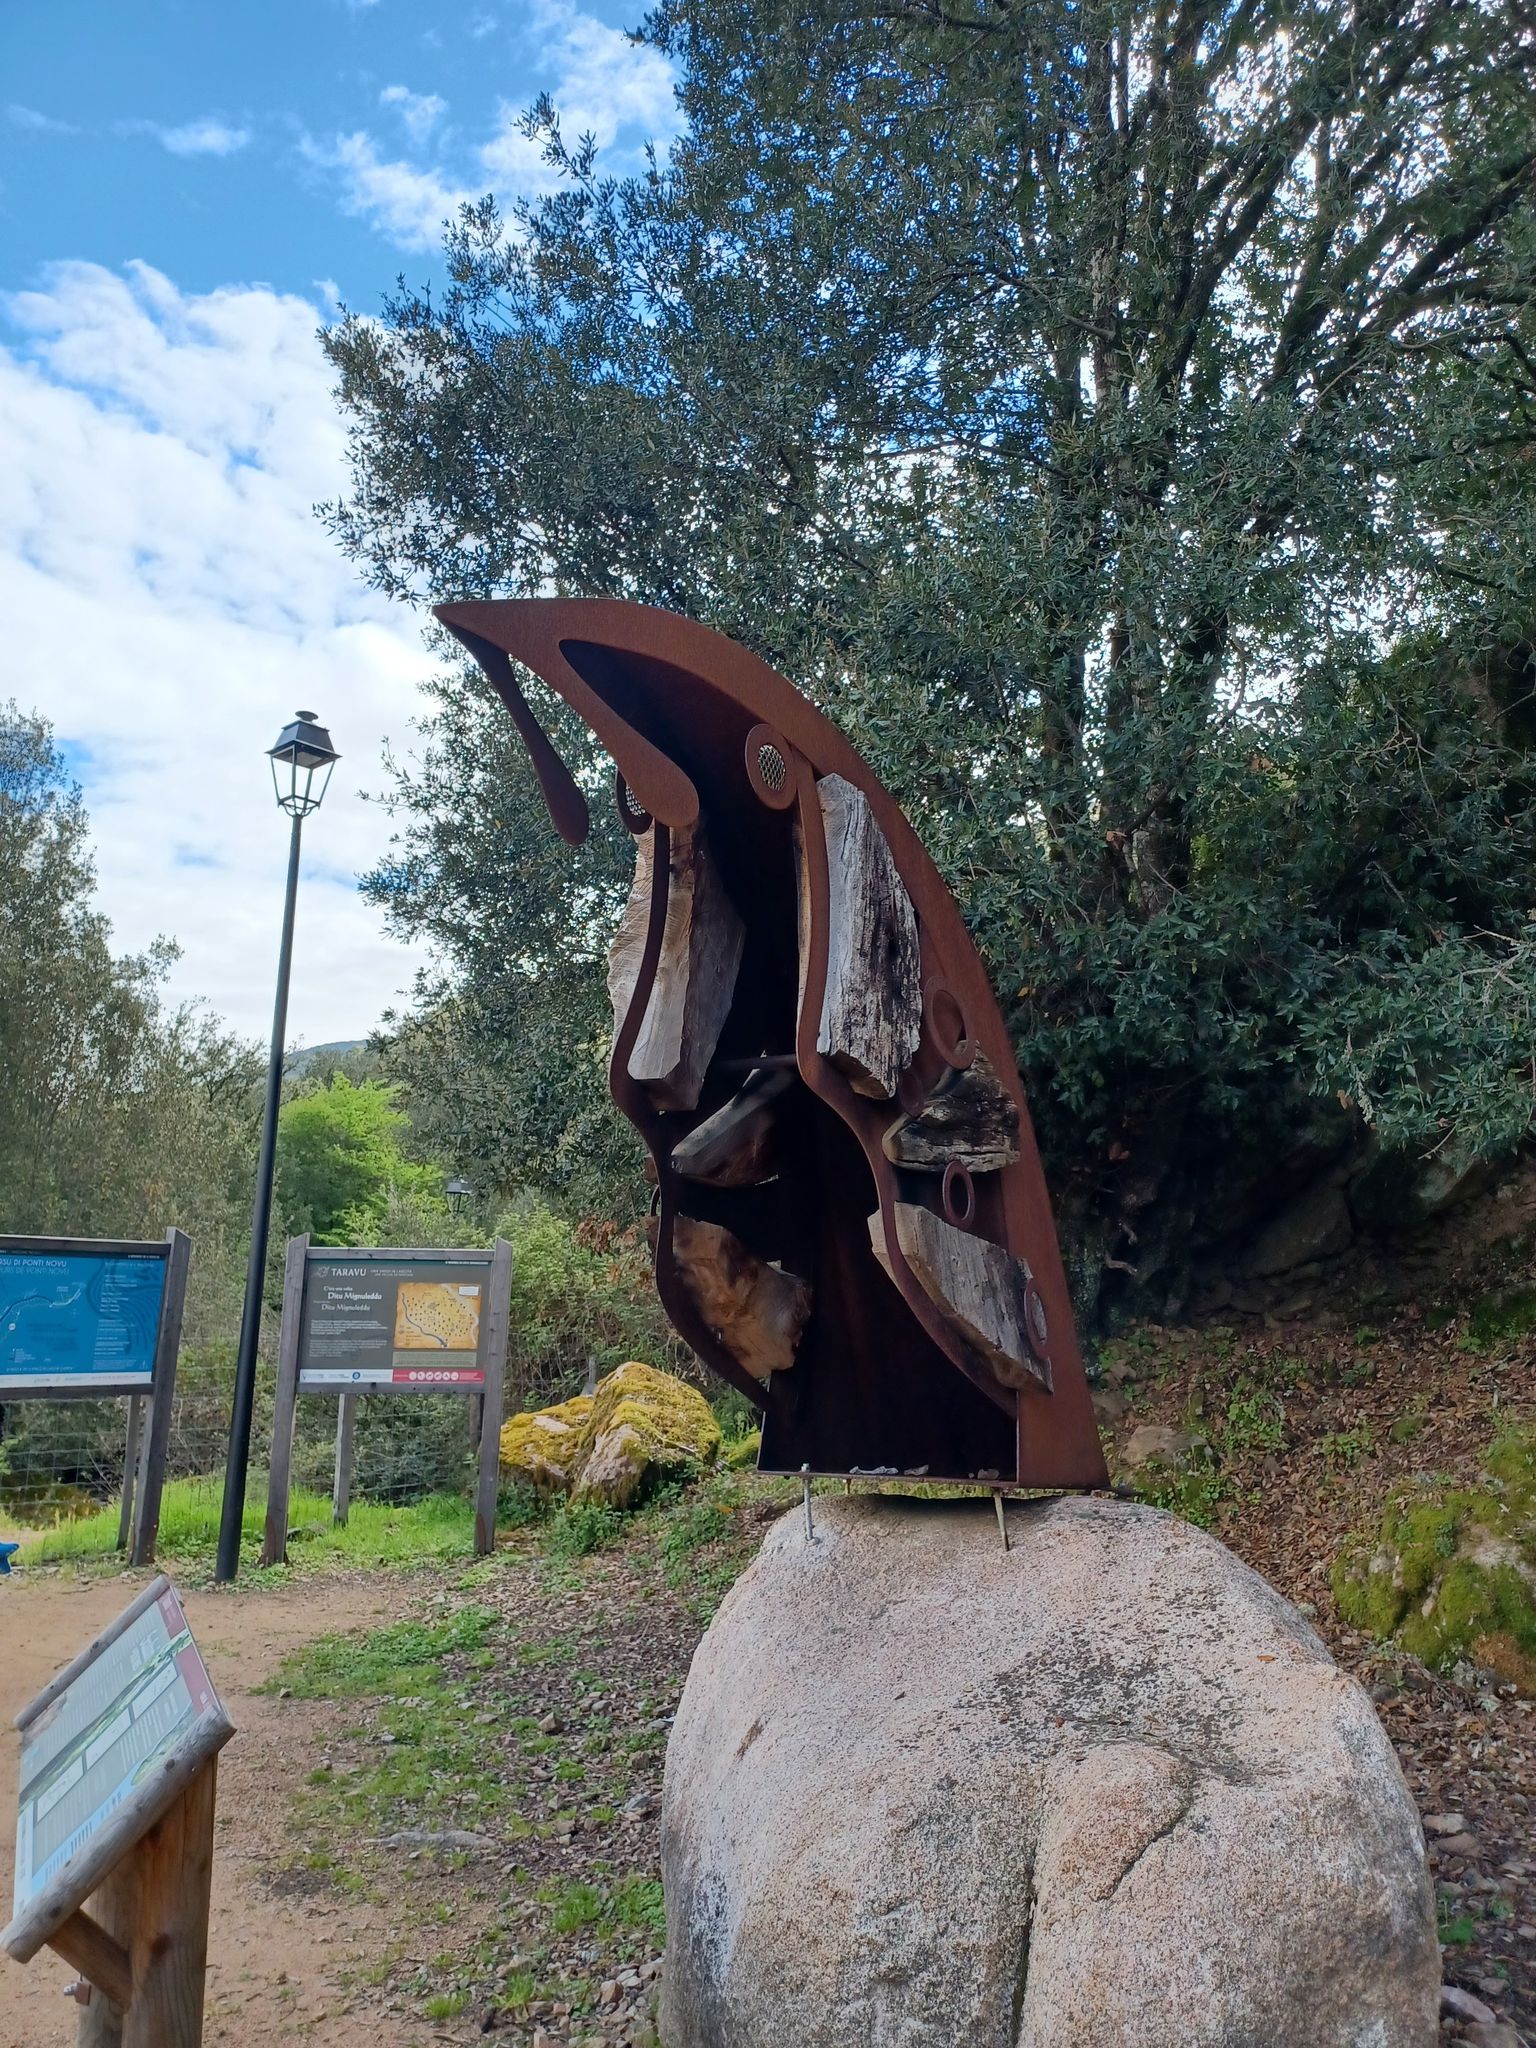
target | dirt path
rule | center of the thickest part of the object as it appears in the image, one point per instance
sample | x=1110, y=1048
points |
x=278, y=1959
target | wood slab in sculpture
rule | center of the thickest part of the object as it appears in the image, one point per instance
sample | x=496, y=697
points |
x=981, y=1286
x=872, y=1009
x=970, y=1117
x=739, y=1146
x=756, y=1310
x=695, y=976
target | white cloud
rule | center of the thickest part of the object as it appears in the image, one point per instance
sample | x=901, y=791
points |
x=418, y=112
x=170, y=599
x=602, y=84
x=407, y=202
x=36, y=123
x=207, y=136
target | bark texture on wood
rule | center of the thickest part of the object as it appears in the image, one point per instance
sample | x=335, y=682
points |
x=970, y=1116
x=978, y=1285
x=872, y=1011
x=701, y=948
x=755, y=1310
x=738, y=1147
x=155, y=1904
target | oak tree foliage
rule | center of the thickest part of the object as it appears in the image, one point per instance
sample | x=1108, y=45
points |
x=1118, y=414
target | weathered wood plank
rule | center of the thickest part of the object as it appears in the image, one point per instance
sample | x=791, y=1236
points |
x=970, y=1116
x=757, y=1311
x=274, y=1548
x=978, y=1285
x=100, y=1957
x=701, y=948
x=341, y=1481
x=872, y=1009
x=738, y=1147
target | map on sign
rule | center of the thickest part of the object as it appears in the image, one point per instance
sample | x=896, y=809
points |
x=78, y=1319
x=116, y=1721
x=437, y=1315
x=393, y=1325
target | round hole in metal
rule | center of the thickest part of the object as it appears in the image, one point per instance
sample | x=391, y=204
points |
x=959, y=1195
x=946, y=1025
x=768, y=757
x=631, y=815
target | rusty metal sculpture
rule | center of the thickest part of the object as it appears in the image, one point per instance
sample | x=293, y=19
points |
x=851, y=1221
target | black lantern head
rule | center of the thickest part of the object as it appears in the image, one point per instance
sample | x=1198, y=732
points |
x=302, y=753
x=458, y=1192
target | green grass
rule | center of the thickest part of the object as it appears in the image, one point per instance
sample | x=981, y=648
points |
x=578, y=1528
x=378, y=1662
x=426, y=1761
x=439, y=1527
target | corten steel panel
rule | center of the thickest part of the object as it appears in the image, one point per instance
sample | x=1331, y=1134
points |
x=881, y=1379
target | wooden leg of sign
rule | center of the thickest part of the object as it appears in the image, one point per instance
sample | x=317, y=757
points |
x=153, y=1911
x=341, y=1490
x=491, y=1401
x=157, y=1422
x=274, y=1549
x=130, y=1467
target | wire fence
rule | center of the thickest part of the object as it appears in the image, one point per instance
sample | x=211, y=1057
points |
x=63, y=1460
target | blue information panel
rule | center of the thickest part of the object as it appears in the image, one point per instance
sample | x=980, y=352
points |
x=82, y=1320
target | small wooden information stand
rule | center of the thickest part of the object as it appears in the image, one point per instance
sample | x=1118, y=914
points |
x=118, y=1770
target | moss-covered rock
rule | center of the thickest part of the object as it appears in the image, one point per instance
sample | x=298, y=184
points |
x=1450, y=1573
x=545, y=1449
x=643, y=1424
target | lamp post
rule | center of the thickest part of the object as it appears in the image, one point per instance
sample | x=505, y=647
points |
x=458, y=1193
x=303, y=753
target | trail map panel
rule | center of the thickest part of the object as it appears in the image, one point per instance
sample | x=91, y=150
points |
x=404, y=1326
x=119, y=1718
x=81, y=1321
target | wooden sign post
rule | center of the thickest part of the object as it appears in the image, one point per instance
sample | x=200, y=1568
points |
x=366, y=1322
x=118, y=1772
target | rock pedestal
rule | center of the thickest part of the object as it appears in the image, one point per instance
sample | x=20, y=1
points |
x=1104, y=1790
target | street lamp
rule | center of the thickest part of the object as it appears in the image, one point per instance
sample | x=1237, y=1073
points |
x=303, y=753
x=458, y=1193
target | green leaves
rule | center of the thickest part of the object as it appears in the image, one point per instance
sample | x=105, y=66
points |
x=1114, y=421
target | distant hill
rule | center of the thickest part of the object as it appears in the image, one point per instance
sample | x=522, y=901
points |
x=307, y=1056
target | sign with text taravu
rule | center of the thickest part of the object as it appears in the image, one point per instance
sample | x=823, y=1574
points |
x=394, y=1322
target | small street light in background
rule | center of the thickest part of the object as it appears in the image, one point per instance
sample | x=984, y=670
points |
x=303, y=753
x=458, y=1193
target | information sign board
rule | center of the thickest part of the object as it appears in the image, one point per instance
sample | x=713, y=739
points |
x=124, y=1712
x=392, y=1323
x=85, y=1321
x=403, y=1321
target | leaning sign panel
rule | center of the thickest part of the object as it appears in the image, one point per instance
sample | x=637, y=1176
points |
x=106, y=1749
x=80, y=1320
x=392, y=1323
x=128, y=1709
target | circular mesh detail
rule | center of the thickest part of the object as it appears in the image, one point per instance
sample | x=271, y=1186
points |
x=770, y=766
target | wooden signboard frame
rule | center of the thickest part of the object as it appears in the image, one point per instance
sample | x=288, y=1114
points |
x=145, y=1869
x=149, y=1408
x=486, y=1399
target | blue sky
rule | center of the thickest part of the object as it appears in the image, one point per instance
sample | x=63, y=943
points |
x=185, y=192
